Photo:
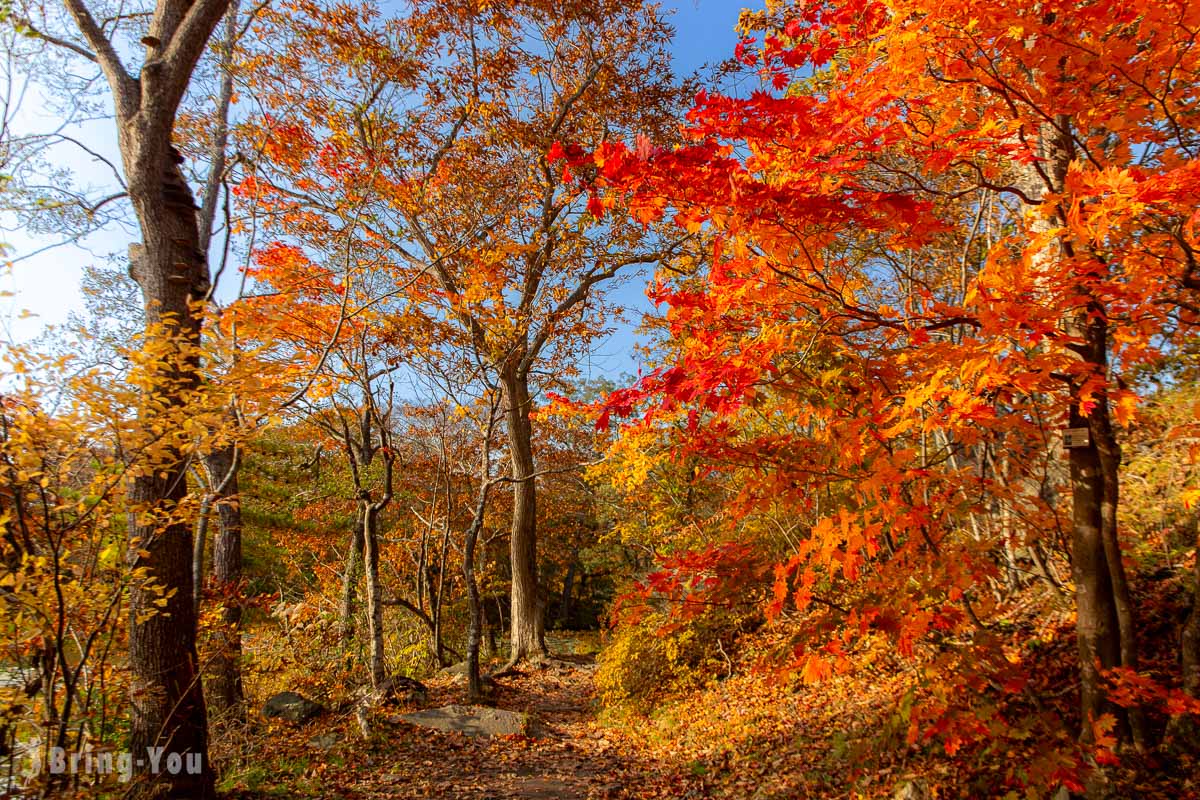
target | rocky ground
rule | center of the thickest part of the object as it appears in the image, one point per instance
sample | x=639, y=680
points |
x=563, y=753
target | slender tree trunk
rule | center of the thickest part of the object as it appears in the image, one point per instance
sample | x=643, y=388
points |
x=370, y=515
x=421, y=579
x=583, y=585
x=218, y=155
x=225, y=681
x=564, y=606
x=1191, y=636
x=474, y=604
x=439, y=604
x=199, y=544
x=433, y=616
x=474, y=608
x=349, y=582
x=489, y=628
x=1184, y=728
x=527, y=623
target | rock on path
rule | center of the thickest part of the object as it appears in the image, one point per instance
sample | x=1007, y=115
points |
x=472, y=720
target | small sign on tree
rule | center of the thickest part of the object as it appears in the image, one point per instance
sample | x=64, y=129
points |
x=1076, y=437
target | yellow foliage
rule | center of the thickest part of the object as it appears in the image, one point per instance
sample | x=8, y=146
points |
x=645, y=663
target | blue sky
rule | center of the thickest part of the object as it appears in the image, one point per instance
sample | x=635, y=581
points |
x=48, y=285
x=703, y=35
x=704, y=31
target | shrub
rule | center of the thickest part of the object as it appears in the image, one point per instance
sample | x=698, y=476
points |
x=654, y=658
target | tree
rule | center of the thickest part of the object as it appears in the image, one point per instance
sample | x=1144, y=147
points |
x=851, y=303
x=171, y=270
x=486, y=481
x=62, y=582
x=345, y=351
x=439, y=162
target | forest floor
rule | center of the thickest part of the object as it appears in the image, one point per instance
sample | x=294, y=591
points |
x=746, y=735
x=573, y=756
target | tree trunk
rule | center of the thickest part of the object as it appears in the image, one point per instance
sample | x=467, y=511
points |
x=374, y=598
x=475, y=610
x=168, y=707
x=225, y=681
x=474, y=604
x=527, y=624
x=1103, y=624
x=434, y=615
x=1184, y=728
x=199, y=543
x=1097, y=629
x=489, y=626
x=171, y=269
x=564, y=606
x=1191, y=636
x=1100, y=424
x=349, y=581
x=1105, y=615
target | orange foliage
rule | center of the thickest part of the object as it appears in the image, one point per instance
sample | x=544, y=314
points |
x=878, y=344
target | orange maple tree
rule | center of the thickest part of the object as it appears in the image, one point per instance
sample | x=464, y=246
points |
x=940, y=237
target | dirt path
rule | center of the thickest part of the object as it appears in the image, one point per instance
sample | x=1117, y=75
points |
x=572, y=758
x=569, y=759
